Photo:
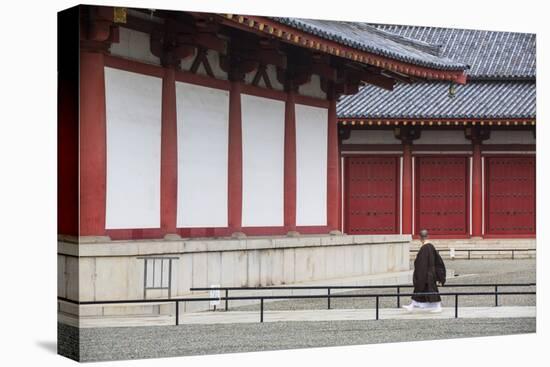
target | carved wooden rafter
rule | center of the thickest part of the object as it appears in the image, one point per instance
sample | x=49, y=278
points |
x=477, y=133
x=98, y=29
x=407, y=134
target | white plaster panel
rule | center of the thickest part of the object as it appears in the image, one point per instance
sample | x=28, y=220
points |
x=312, y=88
x=134, y=45
x=203, y=118
x=511, y=137
x=263, y=161
x=214, y=62
x=442, y=137
x=311, y=165
x=133, y=104
x=371, y=137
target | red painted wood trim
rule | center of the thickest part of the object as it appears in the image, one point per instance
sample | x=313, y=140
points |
x=92, y=144
x=235, y=162
x=290, y=164
x=134, y=66
x=340, y=189
x=332, y=168
x=477, y=197
x=371, y=147
x=406, y=187
x=169, y=154
x=265, y=26
x=205, y=81
x=467, y=148
x=509, y=147
x=311, y=101
x=263, y=92
x=491, y=236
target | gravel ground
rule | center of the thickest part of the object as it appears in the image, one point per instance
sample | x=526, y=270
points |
x=466, y=272
x=166, y=341
x=169, y=341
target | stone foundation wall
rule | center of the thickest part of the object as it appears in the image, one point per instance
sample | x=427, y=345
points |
x=112, y=270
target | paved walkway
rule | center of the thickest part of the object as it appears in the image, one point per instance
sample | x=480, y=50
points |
x=240, y=317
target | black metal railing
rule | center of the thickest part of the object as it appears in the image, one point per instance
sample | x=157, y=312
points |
x=328, y=296
x=329, y=288
x=470, y=250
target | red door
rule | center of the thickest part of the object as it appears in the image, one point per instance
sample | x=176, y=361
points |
x=510, y=197
x=372, y=195
x=442, y=195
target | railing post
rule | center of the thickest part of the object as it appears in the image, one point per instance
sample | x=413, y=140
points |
x=456, y=306
x=496, y=295
x=398, y=297
x=377, y=304
x=261, y=310
x=328, y=298
x=177, y=313
x=226, y=300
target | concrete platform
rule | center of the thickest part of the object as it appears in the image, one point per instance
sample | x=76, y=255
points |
x=237, y=317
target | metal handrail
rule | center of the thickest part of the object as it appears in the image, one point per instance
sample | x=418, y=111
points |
x=176, y=301
x=385, y=286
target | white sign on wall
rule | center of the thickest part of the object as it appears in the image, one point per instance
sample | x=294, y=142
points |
x=133, y=113
x=203, y=123
x=263, y=130
x=311, y=165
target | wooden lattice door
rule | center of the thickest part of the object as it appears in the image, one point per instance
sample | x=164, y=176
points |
x=372, y=195
x=442, y=195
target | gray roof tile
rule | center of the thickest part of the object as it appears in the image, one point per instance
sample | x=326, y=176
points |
x=477, y=99
x=489, y=54
x=364, y=37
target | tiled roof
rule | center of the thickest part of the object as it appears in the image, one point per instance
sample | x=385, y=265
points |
x=489, y=54
x=477, y=99
x=367, y=38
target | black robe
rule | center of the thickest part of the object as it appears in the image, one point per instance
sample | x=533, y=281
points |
x=424, y=276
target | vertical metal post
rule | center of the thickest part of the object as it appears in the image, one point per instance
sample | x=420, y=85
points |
x=226, y=300
x=398, y=297
x=456, y=306
x=377, y=304
x=261, y=310
x=496, y=295
x=177, y=313
x=328, y=298
x=145, y=280
x=169, y=278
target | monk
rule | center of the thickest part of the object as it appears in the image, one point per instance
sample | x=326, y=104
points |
x=429, y=270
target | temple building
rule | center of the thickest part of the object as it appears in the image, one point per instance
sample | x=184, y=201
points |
x=204, y=149
x=458, y=160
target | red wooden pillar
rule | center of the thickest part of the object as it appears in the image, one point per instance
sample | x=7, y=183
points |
x=92, y=144
x=477, y=197
x=340, y=188
x=407, y=194
x=290, y=163
x=235, y=163
x=332, y=168
x=169, y=154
